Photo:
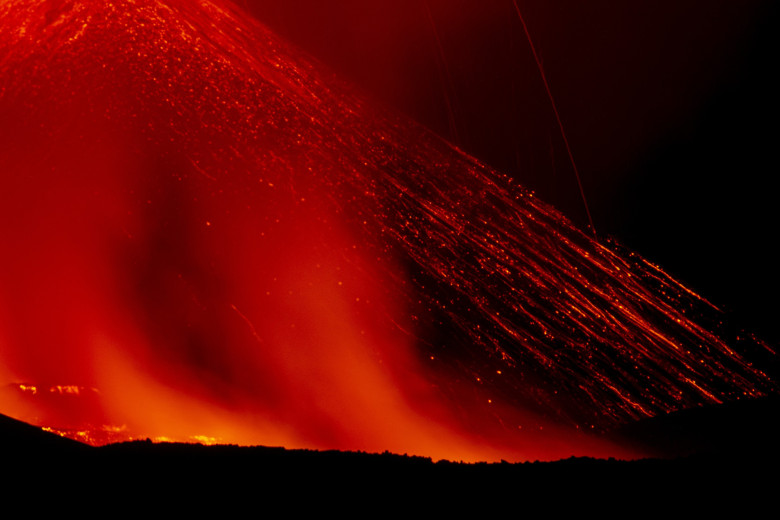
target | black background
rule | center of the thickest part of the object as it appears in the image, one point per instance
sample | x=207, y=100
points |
x=669, y=105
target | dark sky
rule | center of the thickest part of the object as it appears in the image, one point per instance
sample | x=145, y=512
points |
x=669, y=106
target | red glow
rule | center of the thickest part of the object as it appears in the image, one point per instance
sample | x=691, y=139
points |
x=225, y=244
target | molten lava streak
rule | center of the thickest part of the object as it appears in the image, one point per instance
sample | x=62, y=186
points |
x=208, y=238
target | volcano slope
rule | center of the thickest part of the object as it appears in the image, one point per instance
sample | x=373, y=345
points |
x=209, y=237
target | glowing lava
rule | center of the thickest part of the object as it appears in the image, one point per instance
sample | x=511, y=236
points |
x=227, y=244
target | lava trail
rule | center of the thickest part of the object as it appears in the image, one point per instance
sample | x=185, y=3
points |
x=206, y=236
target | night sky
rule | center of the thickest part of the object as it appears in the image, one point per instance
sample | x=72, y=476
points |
x=273, y=259
x=669, y=108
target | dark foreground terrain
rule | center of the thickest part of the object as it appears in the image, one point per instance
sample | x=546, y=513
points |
x=708, y=459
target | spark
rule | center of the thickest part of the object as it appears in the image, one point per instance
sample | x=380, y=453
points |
x=555, y=111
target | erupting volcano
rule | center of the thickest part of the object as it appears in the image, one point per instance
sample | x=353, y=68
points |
x=207, y=237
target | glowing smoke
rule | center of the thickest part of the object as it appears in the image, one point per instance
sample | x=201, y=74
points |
x=223, y=240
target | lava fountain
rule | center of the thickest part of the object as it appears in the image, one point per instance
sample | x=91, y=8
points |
x=207, y=237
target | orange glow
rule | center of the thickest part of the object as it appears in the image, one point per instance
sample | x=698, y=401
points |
x=212, y=241
x=28, y=388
